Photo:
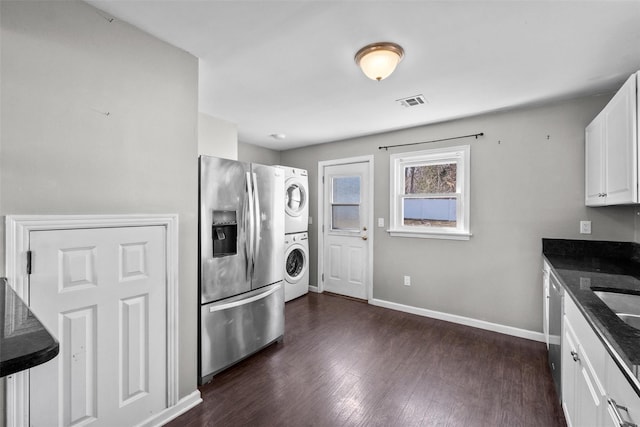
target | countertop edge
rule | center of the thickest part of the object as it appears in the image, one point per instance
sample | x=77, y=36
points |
x=11, y=366
x=24, y=341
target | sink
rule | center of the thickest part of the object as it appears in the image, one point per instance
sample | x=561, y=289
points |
x=625, y=306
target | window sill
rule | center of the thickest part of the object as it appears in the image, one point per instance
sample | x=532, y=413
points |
x=431, y=234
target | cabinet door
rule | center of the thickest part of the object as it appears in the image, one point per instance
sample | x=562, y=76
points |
x=623, y=403
x=595, y=162
x=545, y=301
x=569, y=371
x=621, y=146
x=590, y=395
x=583, y=395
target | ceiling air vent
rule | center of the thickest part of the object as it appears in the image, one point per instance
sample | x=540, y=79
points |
x=412, y=101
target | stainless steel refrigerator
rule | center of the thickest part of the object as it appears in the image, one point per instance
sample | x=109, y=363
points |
x=241, y=252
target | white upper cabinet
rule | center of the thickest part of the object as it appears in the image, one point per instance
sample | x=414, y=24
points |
x=595, y=164
x=611, y=150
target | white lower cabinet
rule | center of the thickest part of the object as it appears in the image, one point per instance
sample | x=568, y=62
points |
x=623, y=406
x=583, y=393
x=594, y=390
x=546, y=269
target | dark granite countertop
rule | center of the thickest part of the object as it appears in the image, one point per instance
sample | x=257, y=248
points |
x=24, y=342
x=586, y=266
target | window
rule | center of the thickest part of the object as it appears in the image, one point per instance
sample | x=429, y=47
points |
x=345, y=203
x=430, y=193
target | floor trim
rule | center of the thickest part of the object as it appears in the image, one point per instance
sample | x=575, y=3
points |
x=481, y=324
x=183, y=405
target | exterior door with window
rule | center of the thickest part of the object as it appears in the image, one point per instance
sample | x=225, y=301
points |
x=346, y=233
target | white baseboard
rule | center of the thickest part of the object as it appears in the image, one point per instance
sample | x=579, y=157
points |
x=313, y=288
x=481, y=324
x=173, y=412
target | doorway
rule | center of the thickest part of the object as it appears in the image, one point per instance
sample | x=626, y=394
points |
x=345, y=229
x=67, y=254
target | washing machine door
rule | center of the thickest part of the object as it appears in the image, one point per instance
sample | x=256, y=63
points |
x=295, y=197
x=295, y=264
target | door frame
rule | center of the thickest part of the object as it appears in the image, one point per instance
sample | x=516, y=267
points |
x=18, y=228
x=321, y=219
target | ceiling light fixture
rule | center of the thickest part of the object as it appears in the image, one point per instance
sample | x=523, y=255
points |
x=378, y=60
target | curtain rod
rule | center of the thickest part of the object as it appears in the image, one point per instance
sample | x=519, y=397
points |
x=386, y=147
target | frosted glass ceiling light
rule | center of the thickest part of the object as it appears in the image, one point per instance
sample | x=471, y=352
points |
x=378, y=60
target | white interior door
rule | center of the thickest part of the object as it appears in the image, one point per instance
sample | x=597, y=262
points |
x=347, y=229
x=102, y=293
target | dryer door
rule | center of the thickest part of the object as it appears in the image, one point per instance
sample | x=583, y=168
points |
x=296, y=197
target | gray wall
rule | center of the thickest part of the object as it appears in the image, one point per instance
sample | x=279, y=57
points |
x=63, y=68
x=523, y=187
x=256, y=154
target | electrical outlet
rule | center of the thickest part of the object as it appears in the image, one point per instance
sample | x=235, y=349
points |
x=407, y=280
x=380, y=222
x=310, y=220
x=585, y=227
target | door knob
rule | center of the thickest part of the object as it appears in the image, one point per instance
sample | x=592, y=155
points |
x=364, y=237
x=364, y=228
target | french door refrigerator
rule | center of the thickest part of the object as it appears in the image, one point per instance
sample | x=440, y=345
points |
x=241, y=252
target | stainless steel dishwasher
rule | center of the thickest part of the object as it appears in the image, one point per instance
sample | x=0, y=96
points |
x=556, y=294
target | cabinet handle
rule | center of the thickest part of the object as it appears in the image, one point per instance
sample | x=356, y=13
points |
x=575, y=356
x=615, y=408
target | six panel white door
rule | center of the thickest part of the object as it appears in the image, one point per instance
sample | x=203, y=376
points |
x=346, y=245
x=102, y=293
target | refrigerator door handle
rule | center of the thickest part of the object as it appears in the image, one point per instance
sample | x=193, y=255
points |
x=249, y=225
x=258, y=222
x=237, y=303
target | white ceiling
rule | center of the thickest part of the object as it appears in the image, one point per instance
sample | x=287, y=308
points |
x=287, y=66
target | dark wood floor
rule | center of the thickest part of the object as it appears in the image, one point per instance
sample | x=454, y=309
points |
x=346, y=363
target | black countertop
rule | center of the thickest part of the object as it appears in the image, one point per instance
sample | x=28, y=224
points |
x=587, y=266
x=24, y=342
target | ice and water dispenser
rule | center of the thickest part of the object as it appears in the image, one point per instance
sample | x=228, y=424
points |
x=225, y=233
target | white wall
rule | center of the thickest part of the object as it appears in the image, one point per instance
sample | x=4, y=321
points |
x=100, y=118
x=217, y=137
x=524, y=186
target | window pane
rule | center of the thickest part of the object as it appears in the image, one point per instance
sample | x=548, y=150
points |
x=430, y=212
x=346, y=190
x=345, y=217
x=430, y=179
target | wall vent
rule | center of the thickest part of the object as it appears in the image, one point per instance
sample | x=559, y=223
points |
x=412, y=101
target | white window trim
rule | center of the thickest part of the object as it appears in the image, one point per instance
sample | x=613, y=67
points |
x=461, y=154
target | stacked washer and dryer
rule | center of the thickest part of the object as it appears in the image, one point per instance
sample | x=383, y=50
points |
x=296, y=239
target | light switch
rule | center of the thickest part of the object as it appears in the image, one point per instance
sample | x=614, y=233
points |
x=310, y=220
x=380, y=222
